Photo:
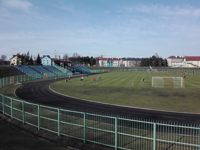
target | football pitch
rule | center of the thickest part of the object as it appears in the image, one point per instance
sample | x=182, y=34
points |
x=134, y=89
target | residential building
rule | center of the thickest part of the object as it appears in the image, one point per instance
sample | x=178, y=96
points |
x=46, y=60
x=102, y=62
x=187, y=61
x=176, y=61
x=131, y=62
x=115, y=62
x=192, y=61
x=118, y=62
x=15, y=60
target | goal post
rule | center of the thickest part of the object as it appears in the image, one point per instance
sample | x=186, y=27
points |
x=167, y=82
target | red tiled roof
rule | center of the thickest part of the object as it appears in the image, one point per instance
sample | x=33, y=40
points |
x=192, y=58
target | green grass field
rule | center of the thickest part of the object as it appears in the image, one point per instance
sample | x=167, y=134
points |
x=129, y=89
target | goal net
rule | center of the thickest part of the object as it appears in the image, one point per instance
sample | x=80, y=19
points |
x=167, y=82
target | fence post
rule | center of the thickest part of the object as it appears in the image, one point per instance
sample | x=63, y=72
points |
x=38, y=117
x=58, y=122
x=198, y=137
x=3, y=104
x=3, y=83
x=84, y=127
x=11, y=108
x=154, y=136
x=116, y=137
x=9, y=80
x=23, y=113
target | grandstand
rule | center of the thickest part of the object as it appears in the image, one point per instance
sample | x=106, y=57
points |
x=9, y=71
x=43, y=71
x=39, y=71
x=63, y=70
x=29, y=71
x=81, y=69
x=53, y=70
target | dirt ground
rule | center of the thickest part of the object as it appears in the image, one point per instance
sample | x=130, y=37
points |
x=13, y=138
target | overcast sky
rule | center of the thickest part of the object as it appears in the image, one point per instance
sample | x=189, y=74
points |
x=112, y=28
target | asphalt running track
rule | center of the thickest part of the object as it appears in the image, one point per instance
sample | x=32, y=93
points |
x=39, y=92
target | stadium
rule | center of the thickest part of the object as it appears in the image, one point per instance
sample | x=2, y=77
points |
x=119, y=108
x=99, y=75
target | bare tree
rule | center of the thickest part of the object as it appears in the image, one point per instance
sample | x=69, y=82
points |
x=66, y=57
x=3, y=57
x=75, y=55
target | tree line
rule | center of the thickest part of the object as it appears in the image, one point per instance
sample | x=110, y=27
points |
x=154, y=61
x=26, y=59
x=90, y=61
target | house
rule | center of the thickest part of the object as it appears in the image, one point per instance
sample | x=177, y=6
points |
x=116, y=62
x=119, y=62
x=176, y=61
x=109, y=62
x=15, y=60
x=46, y=60
x=192, y=61
x=131, y=62
x=187, y=61
x=113, y=62
x=102, y=62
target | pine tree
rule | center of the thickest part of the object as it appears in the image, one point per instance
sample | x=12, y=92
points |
x=38, y=60
x=31, y=61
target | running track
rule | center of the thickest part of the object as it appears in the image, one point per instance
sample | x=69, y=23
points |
x=39, y=92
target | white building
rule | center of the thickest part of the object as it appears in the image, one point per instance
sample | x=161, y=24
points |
x=102, y=62
x=192, y=61
x=116, y=62
x=187, y=61
x=15, y=60
x=109, y=62
x=46, y=60
x=131, y=62
x=175, y=61
x=119, y=62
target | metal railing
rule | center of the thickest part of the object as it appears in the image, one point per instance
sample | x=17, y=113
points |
x=115, y=132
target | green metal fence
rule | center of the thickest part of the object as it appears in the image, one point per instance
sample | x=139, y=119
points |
x=115, y=132
x=24, y=78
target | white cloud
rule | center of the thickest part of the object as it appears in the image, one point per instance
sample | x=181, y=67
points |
x=163, y=10
x=22, y=5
